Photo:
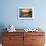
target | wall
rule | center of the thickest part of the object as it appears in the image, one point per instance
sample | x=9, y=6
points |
x=9, y=13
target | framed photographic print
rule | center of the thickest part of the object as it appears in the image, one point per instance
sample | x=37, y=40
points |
x=25, y=13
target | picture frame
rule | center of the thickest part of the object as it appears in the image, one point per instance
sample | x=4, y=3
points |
x=25, y=13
